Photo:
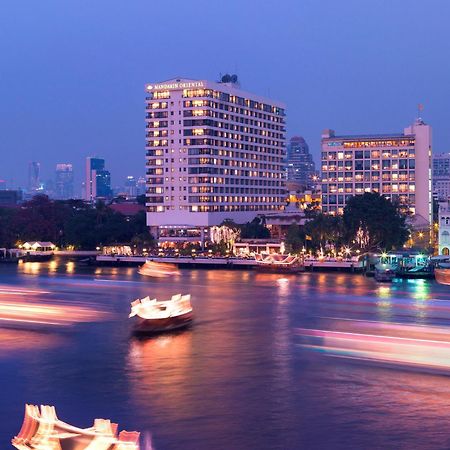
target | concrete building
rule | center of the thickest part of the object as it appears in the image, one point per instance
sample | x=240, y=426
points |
x=444, y=228
x=214, y=152
x=98, y=179
x=300, y=164
x=441, y=176
x=34, y=181
x=397, y=166
x=64, y=182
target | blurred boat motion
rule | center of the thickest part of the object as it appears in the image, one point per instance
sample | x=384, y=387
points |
x=411, y=346
x=155, y=316
x=42, y=430
x=158, y=269
x=276, y=263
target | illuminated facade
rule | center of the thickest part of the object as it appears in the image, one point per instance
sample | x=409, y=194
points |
x=441, y=176
x=213, y=152
x=300, y=164
x=444, y=228
x=98, y=180
x=397, y=166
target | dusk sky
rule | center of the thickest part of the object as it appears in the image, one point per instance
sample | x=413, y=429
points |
x=72, y=72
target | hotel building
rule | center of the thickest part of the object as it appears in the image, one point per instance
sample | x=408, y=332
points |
x=397, y=166
x=214, y=152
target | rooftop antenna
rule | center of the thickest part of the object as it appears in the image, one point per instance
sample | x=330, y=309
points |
x=419, y=111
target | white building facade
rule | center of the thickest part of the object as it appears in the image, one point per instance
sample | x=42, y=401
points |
x=444, y=228
x=214, y=152
x=397, y=166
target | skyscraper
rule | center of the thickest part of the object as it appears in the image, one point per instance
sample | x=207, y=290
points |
x=300, y=164
x=64, y=181
x=130, y=186
x=98, y=179
x=397, y=166
x=214, y=152
x=34, y=182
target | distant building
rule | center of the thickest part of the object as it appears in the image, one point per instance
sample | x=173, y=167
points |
x=214, y=152
x=444, y=228
x=34, y=173
x=10, y=197
x=98, y=179
x=397, y=166
x=64, y=181
x=441, y=176
x=3, y=185
x=300, y=164
x=140, y=186
x=130, y=186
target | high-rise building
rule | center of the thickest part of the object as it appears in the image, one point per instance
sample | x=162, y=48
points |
x=214, y=152
x=397, y=166
x=64, y=181
x=3, y=185
x=98, y=179
x=441, y=176
x=140, y=186
x=300, y=164
x=130, y=186
x=34, y=182
x=444, y=227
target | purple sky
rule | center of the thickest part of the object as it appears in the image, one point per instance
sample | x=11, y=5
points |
x=72, y=72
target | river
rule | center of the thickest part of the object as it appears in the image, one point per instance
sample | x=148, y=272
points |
x=240, y=378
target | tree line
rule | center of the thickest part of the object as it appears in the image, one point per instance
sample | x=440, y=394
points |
x=71, y=223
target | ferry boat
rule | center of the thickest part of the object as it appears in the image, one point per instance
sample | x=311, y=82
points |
x=153, y=316
x=276, y=263
x=158, y=269
x=384, y=272
x=41, y=429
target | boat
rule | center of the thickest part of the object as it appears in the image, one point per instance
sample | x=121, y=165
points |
x=41, y=429
x=158, y=269
x=153, y=316
x=277, y=263
x=384, y=272
x=442, y=275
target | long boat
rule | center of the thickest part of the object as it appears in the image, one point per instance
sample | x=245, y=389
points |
x=442, y=275
x=153, y=316
x=41, y=429
x=158, y=269
x=276, y=263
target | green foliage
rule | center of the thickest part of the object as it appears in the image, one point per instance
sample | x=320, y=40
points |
x=71, y=222
x=295, y=239
x=256, y=229
x=378, y=218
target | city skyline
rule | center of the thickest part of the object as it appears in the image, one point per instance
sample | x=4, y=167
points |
x=325, y=78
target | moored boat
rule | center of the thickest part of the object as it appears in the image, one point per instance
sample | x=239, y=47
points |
x=442, y=275
x=276, y=263
x=158, y=269
x=384, y=272
x=153, y=316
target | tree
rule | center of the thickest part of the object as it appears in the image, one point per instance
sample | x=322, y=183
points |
x=295, y=239
x=325, y=231
x=255, y=229
x=374, y=222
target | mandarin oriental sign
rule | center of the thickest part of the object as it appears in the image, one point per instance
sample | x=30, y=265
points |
x=178, y=85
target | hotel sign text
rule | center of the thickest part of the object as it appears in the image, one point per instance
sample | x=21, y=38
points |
x=181, y=85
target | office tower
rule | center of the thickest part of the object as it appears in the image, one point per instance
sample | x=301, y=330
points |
x=141, y=186
x=441, y=176
x=214, y=152
x=130, y=186
x=397, y=166
x=98, y=179
x=300, y=164
x=34, y=183
x=64, y=181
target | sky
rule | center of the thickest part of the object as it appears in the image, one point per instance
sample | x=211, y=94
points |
x=72, y=72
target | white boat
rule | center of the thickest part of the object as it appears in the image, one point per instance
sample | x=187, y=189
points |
x=41, y=429
x=153, y=316
x=158, y=269
x=277, y=263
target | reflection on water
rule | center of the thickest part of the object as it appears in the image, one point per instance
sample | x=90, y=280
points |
x=244, y=376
